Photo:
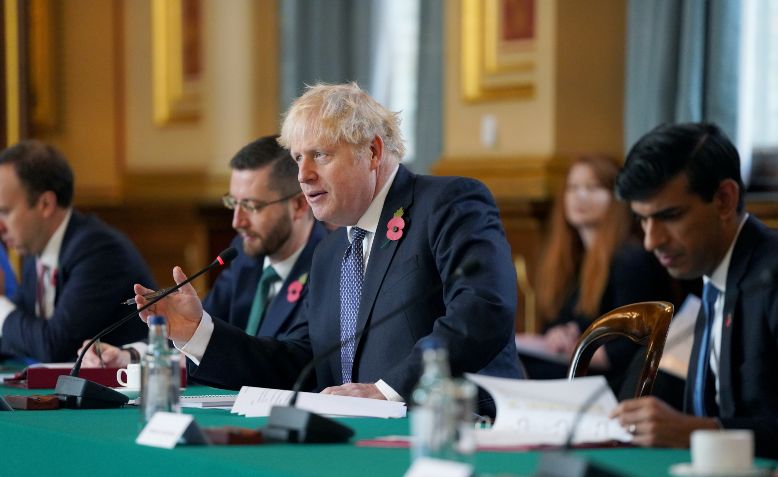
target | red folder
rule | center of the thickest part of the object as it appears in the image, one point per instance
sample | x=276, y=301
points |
x=42, y=377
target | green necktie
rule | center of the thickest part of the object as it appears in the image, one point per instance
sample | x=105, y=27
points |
x=269, y=276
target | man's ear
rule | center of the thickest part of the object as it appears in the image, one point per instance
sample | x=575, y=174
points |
x=299, y=206
x=376, y=152
x=726, y=198
x=47, y=203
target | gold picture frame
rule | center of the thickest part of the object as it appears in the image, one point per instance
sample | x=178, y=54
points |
x=177, y=60
x=499, y=49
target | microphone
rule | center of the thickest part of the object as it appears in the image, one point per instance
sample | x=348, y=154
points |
x=291, y=424
x=79, y=393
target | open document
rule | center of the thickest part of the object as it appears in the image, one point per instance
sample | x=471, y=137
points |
x=543, y=412
x=257, y=402
x=680, y=337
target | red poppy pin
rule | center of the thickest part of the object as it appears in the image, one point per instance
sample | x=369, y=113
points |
x=395, y=226
x=295, y=289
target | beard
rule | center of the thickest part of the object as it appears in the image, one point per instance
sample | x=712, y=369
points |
x=256, y=245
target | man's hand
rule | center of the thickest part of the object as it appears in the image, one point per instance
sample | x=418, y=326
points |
x=355, y=389
x=182, y=309
x=113, y=357
x=653, y=423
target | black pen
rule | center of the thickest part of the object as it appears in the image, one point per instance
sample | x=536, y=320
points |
x=148, y=296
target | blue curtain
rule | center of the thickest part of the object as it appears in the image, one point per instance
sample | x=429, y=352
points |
x=324, y=41
x=429, y=110
x=334, y=41
x=682, y=64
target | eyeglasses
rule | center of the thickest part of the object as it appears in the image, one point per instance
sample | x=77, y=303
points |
x=249, y=205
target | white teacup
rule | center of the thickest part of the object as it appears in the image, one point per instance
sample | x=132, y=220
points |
x=131, y=376
x=722, y=451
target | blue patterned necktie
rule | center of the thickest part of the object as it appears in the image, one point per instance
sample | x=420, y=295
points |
x=259, y=306
x=352, y=274
x=709, y=295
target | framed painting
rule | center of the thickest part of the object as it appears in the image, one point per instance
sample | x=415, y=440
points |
x=499, y=48
x=177, y=60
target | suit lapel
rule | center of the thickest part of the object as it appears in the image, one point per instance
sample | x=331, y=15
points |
x=283, y=306
x=741, y=256
x=63, y=271
x=383, y=250
x=280, y=308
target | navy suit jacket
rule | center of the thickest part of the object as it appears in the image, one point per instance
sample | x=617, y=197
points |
x=233, y=291
x=749, y=341
x=97, y=269
x=448, y=222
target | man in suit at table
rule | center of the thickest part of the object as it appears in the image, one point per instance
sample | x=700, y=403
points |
x=276, y=238
x=404, y=234
x=683, y=183
x=76, y=270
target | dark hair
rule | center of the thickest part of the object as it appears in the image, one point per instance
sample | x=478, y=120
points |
x=264, y=152
x=40, y=168
x=700, y=150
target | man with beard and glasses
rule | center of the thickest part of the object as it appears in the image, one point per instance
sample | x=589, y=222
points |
x=262, y=290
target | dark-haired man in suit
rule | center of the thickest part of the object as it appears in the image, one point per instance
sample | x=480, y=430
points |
x=276, y=238
x=683, y=183
x=403, y=234
x=76, y=270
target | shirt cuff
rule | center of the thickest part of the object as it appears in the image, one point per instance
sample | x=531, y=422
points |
x=194, y=349
x=6, y=308
x=389, y=393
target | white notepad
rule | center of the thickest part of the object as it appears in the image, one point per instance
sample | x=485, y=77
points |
x=209, y=400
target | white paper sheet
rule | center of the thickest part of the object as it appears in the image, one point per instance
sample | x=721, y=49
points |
x=542, y=412
x=678, y=347
x=257, y=402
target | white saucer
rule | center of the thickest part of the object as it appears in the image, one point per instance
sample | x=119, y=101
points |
x=686, y=469
x=131, y=393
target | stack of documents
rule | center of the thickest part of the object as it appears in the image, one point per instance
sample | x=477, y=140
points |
x=218, y=401
x=257, y=402
x=544, y=412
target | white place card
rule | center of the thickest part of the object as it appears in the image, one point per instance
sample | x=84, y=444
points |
x=166, y=429
x=428, y=467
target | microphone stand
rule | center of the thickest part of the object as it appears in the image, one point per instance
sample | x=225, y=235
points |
x=291, y=424
x=79, y=393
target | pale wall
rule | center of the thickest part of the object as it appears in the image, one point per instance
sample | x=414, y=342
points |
x=591, y=39
x=106, y=126
x=525, y=126
x=86, y=126
x=577, y=106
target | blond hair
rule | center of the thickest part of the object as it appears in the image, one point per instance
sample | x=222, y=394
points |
x=338, y=113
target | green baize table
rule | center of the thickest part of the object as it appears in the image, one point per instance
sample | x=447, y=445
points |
x=97, y=443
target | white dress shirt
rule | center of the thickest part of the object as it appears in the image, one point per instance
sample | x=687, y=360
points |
x=719, y=280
